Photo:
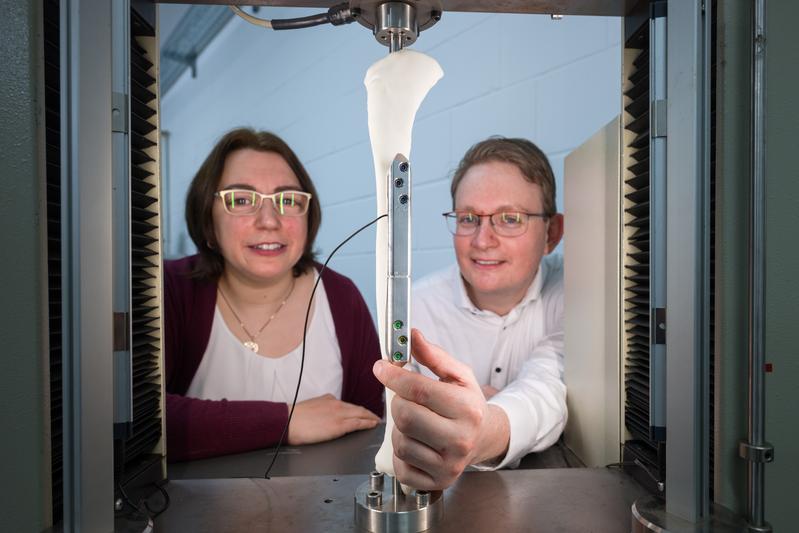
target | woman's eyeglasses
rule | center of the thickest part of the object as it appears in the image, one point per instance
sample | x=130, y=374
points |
x=242, y=202
x=506, y=223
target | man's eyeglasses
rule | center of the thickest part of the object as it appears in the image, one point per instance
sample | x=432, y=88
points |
x=242, y=202
x=506, y=223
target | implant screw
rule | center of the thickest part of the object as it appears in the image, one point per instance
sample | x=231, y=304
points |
x=374, y=498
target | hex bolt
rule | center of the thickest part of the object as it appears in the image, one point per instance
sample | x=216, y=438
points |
x=376, y=480
x=374, y=499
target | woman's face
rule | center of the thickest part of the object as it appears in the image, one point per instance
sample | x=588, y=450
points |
x=266, y=245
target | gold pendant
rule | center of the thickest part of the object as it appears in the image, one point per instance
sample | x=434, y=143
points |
x=251, y=345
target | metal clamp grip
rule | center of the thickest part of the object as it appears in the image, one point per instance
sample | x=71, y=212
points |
x=763, y=453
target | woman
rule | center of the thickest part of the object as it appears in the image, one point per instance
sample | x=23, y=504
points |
x=234, y=313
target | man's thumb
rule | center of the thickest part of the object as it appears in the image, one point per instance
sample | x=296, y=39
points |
x=440, y=363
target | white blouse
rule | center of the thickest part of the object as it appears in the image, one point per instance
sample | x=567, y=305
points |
x=230, y=371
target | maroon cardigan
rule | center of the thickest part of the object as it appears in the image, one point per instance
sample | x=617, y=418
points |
x=204, y=428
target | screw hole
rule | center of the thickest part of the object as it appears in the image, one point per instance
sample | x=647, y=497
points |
x=328, y=500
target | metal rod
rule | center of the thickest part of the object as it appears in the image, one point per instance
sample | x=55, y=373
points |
x=756, y=430
x=395, y=42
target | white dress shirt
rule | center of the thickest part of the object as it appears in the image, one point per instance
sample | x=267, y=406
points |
x=230, y=371
x=520, y=354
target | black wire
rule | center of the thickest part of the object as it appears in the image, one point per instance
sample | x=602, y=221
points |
x=304, y=333
x=147, y=512
x=164, y=507
x=301, y=22
x=336, y=15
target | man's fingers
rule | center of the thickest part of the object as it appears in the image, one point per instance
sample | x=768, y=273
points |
x=420, y=423
x=441, y=398
x=442, y=364
x=412, y=476
x=413, y=452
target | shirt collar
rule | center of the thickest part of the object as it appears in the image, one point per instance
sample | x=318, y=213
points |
x=463, y=301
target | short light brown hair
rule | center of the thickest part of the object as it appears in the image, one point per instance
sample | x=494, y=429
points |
x=525, y=155
x=200, y=198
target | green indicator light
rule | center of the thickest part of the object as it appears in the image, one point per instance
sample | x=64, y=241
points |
x=398, y=324
x=398, y=356
x=402, y=339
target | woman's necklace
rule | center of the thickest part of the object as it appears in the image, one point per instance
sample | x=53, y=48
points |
x=251, y=344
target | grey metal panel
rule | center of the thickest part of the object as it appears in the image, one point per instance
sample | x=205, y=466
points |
x=732, y=196
x=657, y=213
x=87, y=240
x=120, y=83
x=566, y=7
x=558, y=499
x=686, y=335
x=24, y=401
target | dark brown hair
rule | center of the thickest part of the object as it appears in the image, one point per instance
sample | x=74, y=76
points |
x=200, y=198
x=525, y=155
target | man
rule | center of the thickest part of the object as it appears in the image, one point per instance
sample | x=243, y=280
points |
x=499, y=312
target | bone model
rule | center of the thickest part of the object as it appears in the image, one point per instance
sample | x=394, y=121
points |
x=395, y=87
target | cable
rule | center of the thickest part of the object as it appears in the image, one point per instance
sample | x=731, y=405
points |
x=336, y=15
x=148, y=513
x=304, y=333
x=164, y=507
x=637, y=462
x=249, y=18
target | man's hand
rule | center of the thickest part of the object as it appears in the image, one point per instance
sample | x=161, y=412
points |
x=441, y=427
x=489, y=391
x=326, y=418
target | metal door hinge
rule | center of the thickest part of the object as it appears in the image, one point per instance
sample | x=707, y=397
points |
x=658, y=122
x=121, y=332
x=659, y=325
x=757, y=454
x=119, y=112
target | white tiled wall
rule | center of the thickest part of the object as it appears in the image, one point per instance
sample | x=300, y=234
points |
x=554, y=82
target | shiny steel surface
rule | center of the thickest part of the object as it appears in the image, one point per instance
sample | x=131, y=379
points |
x=649, y=515
x=534, y=501
x=394, y=24
x=390, y=510
x=757, y=267
x=398, y=339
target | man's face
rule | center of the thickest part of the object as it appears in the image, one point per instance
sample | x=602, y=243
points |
x=498, y=270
